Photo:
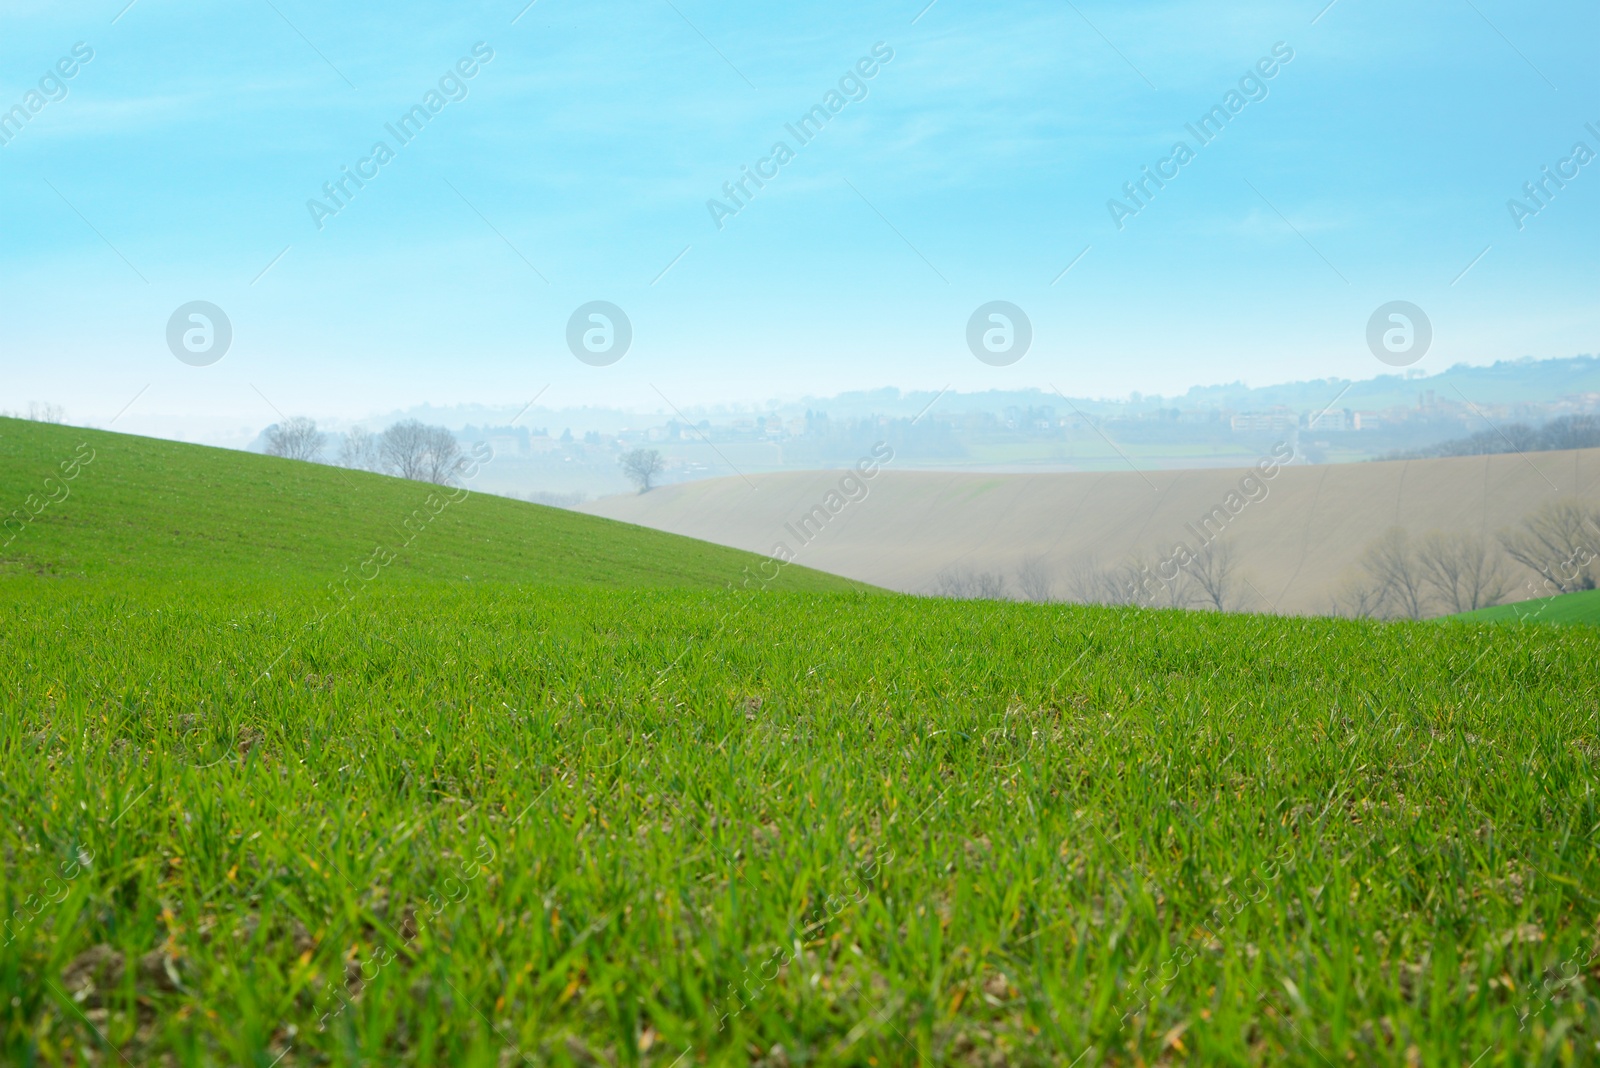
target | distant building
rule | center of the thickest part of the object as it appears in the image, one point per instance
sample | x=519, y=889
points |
x=507, y=444
x=1267, y=422
x=1339, y=419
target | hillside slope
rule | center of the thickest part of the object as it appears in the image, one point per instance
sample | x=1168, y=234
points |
x=1580, y=607
x=1295, y=542
x=107, y=505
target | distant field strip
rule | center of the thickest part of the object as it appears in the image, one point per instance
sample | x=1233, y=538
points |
x=1295, y=541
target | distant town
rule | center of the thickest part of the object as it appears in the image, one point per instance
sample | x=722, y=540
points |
x=567, y=456
x=1019, y=431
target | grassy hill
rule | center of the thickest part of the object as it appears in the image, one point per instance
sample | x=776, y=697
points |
x=149, y=509
x=588, y=823
x=1580, y=607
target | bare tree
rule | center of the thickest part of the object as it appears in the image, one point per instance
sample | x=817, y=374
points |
x=442, y=457
x=1212, y=569
x=642, y=466
x=1085, y=583
x=1148, y=585
x=989, y=585
x=1360, y=598
x=1463, y=570
x=962, y=582
x=1561, y=542
x=1129, y=582
x=38, y=413
x=414, y=450
x=1034, y=579
x=1392, y=565
x=1449, y=572
x=1136, y=582
x=296, y=438
x=1126, y=583
x=358, y=449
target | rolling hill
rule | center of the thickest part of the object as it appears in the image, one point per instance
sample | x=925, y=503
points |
x=1302, y=534
x=144, y=508
x=1580, y=607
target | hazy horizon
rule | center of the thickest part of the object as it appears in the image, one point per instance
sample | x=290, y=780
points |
x=135, y=417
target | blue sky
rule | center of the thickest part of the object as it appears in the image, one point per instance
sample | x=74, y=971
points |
x=578, y=165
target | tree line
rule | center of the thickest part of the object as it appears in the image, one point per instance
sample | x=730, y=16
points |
x=1555, y=550
x=407, y=449
x=1208, y=578
x=410, y=449
x=1398, y=576
x=1566, y=432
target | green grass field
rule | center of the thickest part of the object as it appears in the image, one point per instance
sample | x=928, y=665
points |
x=1580, y=607
x=593, y=806
x=141, y=509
